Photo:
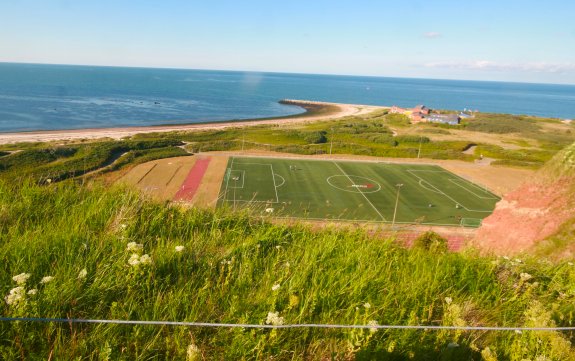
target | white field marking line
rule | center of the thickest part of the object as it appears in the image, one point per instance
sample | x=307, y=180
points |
x=364, y=196
x=294, y=325
x=275, y=186
x=250, y=201
x=228, y=180
x=241, y=163
x=367, y=221
x=443, y=193
x=326, y=159
x=482, y=188
x=462, y=222
x=429, y=189
x=454, y=181
x=426, y=171
x=243, y=178
x=272, y=168
x=352, y=191
x=283, y=179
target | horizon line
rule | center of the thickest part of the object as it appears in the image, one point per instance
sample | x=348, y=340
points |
x=281, y=72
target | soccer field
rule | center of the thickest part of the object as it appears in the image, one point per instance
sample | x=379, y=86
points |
x=354, y=191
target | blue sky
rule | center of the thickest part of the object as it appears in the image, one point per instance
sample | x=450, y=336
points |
x=509, y=40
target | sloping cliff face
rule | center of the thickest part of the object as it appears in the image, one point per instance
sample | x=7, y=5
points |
x=534, y=211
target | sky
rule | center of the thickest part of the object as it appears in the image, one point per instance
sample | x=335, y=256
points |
x=501, y=40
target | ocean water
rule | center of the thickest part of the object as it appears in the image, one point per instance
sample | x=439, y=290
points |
x=44, y=97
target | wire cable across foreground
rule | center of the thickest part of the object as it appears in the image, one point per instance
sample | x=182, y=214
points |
x=287, y=326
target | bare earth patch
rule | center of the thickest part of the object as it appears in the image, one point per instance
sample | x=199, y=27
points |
x=527, y=215
x=162, y=178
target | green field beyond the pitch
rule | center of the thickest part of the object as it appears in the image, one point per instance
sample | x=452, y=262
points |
x=354, y=191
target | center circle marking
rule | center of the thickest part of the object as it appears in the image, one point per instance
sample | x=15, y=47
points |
x=353, y=183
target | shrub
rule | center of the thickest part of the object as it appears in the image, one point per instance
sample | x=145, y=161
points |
x=315, y=137
x=431, y=241
x=412, y=139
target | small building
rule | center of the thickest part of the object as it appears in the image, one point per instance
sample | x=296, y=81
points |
x=417, y=117
x=451, y=119
x=421, y=109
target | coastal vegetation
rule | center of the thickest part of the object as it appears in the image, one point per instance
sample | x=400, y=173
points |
x=58, y=162
x=520, y=141
x=96, y=252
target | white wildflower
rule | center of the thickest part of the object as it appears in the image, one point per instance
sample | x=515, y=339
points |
x=134, y=260
x=373, y=325
x=21, y=278
x=15, y=296
x=82, y=274
x=134, y=247
x=525, y=276
x=123, y=226
x=274, y=319
x=276, y=287
x=452, y=345
x=180, y=248
x=448, y=300
x=145, y=259
x=506, y=258
x=192, y=352
x=33, y=291
x=367, y=305
x=46, y=279
x=570, y=263
x=278, y=247
x=517, y=260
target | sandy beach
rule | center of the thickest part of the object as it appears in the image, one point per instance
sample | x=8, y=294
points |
x=342, y=110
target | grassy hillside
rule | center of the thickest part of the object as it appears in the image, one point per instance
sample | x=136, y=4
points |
x=239, y=269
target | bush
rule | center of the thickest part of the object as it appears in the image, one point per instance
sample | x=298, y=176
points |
x=412, y=139
x=432, y=242
x=315, y=137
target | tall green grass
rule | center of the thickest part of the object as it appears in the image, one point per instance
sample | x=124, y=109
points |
x=239, y=269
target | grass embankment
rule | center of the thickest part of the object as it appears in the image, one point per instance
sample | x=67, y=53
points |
x=239, y=269
x=511, y=140
x=43, y=162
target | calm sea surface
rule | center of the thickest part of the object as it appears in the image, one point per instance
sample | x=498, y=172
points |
x=42, y=97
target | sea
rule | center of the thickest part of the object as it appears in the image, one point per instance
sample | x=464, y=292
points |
x=53, y=97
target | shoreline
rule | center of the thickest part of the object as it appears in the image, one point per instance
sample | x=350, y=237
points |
x=314, y=111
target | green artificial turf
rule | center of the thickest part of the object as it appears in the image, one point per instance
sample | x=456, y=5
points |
x=354, y=191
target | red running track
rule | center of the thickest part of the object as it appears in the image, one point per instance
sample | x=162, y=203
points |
x=193, y=180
